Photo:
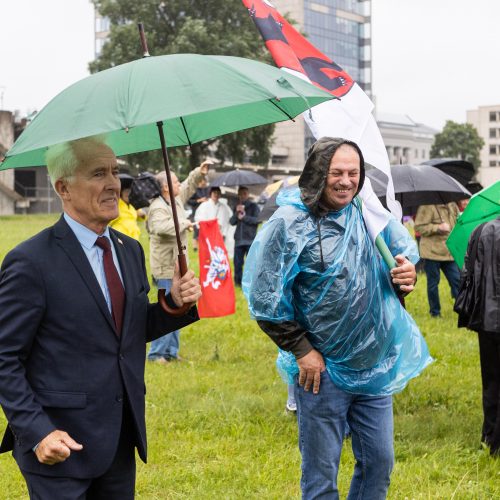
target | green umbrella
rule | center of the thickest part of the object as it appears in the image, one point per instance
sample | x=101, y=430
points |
x=195, y=97
x=482, y=207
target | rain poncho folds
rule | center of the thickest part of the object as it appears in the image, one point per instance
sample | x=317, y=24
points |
x=339, y=290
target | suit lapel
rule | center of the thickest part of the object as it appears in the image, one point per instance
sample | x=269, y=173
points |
x=67, y=240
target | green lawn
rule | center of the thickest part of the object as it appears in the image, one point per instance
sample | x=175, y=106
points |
x=217, y=427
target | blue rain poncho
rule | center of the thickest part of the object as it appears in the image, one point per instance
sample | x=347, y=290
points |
x=344, y=298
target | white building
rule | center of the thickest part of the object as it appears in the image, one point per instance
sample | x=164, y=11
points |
x=486, y=119
x=406, y=141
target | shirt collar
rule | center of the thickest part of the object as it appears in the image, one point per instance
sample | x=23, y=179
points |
x=84, y=235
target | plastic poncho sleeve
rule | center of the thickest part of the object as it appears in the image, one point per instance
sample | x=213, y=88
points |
x=399, y=241
x=269, y=279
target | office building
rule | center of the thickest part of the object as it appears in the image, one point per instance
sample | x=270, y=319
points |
x=486, y=120
x=341, y=29
x=407, y=142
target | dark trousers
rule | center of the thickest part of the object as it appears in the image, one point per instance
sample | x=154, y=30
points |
x=489, y=355
x=239, y=258
x=117, y=483
x=433, y=271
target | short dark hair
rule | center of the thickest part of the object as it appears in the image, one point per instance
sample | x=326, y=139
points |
x=215, y=188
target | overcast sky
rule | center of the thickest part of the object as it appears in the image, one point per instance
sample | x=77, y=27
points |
x=432, y=59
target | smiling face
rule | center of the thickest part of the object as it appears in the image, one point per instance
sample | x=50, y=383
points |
x=91, y=195
x=343, y=177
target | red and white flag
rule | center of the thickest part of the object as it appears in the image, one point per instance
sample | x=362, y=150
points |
x=217, y=287
x=349, y=117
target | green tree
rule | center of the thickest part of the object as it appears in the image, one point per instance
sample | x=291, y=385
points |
x=458, y=140
x=182, y=26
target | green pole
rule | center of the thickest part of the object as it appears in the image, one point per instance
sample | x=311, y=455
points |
x=385, y=252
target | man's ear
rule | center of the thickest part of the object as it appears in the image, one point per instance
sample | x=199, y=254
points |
x=61, y=187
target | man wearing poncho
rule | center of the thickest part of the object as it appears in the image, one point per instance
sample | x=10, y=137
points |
x=318, y=287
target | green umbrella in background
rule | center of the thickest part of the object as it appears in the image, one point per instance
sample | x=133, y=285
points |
x=483, y=207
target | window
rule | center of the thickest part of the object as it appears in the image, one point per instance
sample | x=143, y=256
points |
x=493, y=132
x=423, y=153
x=493, y=163
x=493, y=149
x=102, y=24
x=493, y=116
x=416, y=153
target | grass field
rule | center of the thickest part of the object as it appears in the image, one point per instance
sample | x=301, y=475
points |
x=217, y=428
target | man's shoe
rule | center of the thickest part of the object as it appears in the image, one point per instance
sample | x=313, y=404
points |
x=291, y=407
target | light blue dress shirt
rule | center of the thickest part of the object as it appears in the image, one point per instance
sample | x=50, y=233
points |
x=87, y=239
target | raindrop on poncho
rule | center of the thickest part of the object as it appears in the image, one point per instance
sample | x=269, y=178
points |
x=348, y=306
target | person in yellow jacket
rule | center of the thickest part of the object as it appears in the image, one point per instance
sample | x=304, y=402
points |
x=126, y=222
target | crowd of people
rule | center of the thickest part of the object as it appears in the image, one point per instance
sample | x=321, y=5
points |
x=73, y=343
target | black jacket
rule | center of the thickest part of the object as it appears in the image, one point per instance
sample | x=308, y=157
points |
x=485, y=315
x=246, y=228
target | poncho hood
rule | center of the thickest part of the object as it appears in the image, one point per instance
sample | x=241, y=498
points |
x=313, y=178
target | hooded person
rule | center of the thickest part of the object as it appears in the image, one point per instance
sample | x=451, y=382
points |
x=320, y=290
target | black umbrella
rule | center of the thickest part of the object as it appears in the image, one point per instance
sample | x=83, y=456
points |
x=239, y=178
x=474, y=187
x=417, y=185
x=460, y=170
x=270, y=206
x=125, y=180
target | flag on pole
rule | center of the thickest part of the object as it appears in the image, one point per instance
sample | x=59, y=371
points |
x=217, y=287
x=349, y=117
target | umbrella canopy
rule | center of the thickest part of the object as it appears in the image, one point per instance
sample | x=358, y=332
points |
x=283, y=183
x=239, y=178
x=272, y=191
x=125, y=180
x=417, y=185
x=195, y=97
x=483, y=207
x=461, y=170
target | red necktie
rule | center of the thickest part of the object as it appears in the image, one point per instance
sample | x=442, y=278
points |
x=115, y=287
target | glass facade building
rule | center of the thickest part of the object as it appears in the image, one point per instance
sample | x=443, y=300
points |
x=341, y=29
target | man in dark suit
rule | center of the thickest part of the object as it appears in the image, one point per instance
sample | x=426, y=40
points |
x=74, y=322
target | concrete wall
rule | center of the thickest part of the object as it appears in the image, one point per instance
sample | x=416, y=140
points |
x=7, y=204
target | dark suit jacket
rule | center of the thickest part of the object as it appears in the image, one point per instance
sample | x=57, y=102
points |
x=62, y=366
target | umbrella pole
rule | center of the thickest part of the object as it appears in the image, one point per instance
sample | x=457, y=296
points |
x=182, y=256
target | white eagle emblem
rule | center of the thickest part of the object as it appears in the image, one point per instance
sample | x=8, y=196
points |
x=218, y=268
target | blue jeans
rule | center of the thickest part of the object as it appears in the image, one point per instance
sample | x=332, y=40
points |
x=168, y=345
x=322, y=420
x=433, y=272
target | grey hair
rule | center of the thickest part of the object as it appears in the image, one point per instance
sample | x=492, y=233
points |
x=62, y=160
x=162, y=179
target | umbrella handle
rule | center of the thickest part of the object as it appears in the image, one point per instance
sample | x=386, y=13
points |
x=162, y=300
x=182, y=256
